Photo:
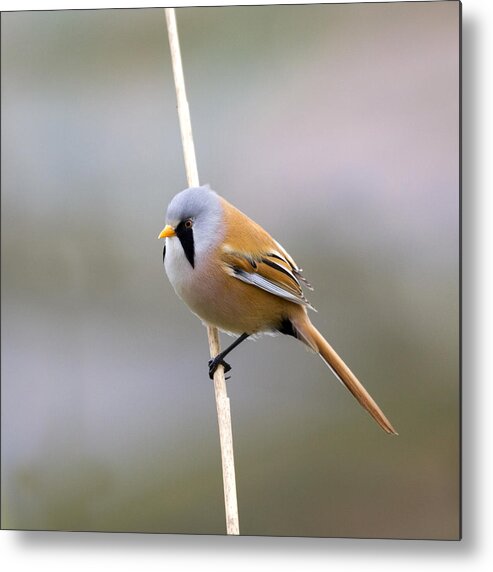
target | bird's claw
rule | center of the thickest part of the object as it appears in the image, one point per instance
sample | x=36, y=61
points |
x=215, y=363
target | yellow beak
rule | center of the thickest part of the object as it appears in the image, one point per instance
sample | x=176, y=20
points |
x=167, y=232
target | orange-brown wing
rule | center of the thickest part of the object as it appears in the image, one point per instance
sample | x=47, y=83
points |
x=251, y=255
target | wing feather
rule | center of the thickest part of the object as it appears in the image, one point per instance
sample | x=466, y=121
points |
x=251, y=255
x=274, y=276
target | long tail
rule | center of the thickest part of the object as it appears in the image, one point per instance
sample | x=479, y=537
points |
x=314, y=339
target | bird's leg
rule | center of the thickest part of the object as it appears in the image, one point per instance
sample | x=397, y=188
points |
x=219, y=359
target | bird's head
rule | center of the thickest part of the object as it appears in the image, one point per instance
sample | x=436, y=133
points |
x=194, y=217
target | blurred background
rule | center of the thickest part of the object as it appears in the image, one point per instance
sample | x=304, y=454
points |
x=336, y=127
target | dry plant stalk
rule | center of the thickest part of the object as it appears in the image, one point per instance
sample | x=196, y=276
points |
x=222, y=400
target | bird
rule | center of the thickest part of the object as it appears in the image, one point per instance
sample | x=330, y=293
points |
x=235, y=276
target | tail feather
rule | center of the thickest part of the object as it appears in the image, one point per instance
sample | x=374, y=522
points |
x=314, y=339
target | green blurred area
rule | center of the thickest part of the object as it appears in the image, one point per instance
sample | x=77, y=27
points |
x=336, y=128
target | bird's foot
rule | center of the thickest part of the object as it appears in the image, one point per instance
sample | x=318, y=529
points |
x=215, y=363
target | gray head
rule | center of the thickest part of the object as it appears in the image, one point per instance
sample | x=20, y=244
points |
x=196, y=215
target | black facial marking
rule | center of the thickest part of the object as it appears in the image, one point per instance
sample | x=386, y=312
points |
x=164, y=250
x=286, y=327
x=186, y=238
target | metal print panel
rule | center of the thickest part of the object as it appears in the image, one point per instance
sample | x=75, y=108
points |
x=336, y=128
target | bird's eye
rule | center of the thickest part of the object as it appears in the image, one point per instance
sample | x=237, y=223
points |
x=188, y=223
